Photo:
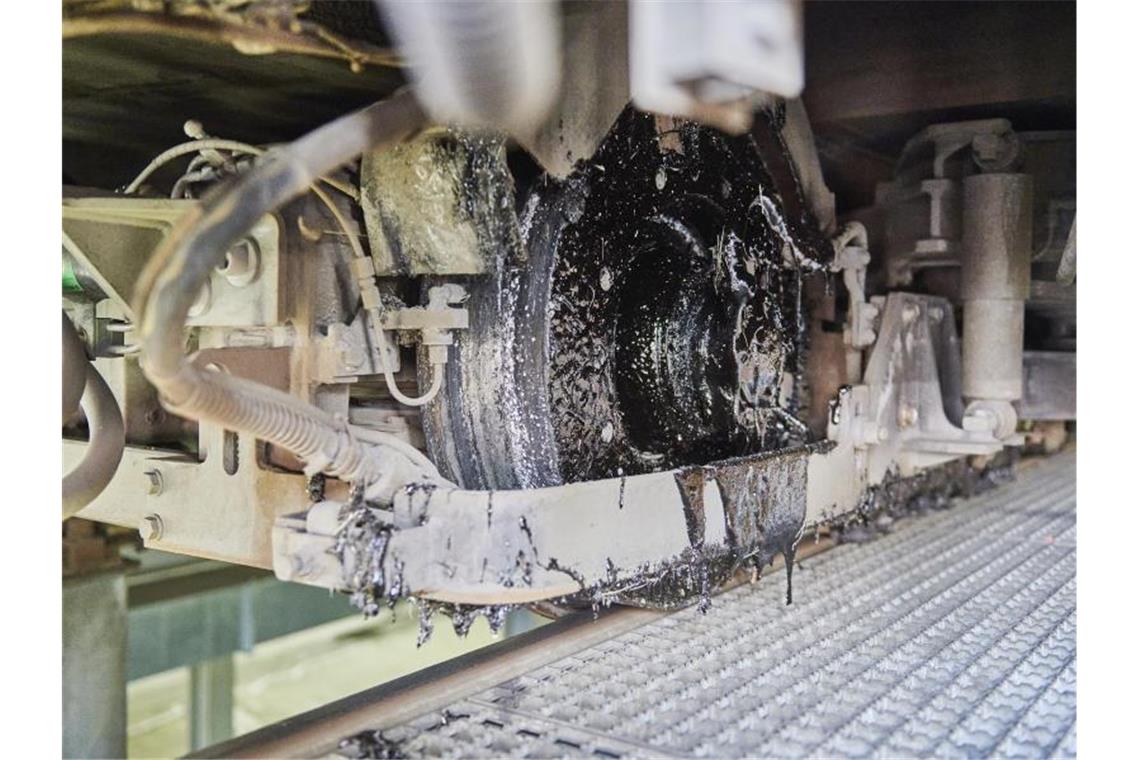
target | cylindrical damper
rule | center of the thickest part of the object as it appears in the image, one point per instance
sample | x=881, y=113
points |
x=997, y=233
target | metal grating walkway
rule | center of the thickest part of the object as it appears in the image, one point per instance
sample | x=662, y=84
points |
x=955, y=635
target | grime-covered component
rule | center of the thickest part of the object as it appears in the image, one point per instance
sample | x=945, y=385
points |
x=657, y=322
x=483, y=550
x=438, y=204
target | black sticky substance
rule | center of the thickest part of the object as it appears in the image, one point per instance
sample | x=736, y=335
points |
x=373, y=745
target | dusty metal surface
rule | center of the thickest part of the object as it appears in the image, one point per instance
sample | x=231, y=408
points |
x=952, y=635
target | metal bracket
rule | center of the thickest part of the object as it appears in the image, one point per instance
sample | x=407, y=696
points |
x=350, y=351
x=913, y=409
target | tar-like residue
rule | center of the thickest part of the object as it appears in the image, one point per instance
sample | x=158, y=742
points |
x=932, y=489
x=361, y=547
x=656, y=321
x=674, y=307
x=371, y=745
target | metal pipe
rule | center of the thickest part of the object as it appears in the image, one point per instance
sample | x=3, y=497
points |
x=104, y=449
x=198, y=243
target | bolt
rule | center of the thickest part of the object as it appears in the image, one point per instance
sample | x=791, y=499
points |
x=935, y=313
x=910, y=312
x=154, y=482
x=301, y=568
x=151, y=528
x=908, y=416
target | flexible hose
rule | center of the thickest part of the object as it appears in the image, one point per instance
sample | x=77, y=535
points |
x=198, y=243
x=186, y=148
x=213, y=144
x=74, y=368
x=104, y=448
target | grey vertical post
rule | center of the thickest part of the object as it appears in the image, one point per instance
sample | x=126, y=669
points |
x=211, y=701
x=95, y=666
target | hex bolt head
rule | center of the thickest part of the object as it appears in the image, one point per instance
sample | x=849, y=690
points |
x=154, y=483
x=151, y=528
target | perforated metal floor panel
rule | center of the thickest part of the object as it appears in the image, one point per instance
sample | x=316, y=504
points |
x=954, y=635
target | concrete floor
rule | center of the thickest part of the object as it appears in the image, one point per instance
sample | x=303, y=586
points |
x=292, y=674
